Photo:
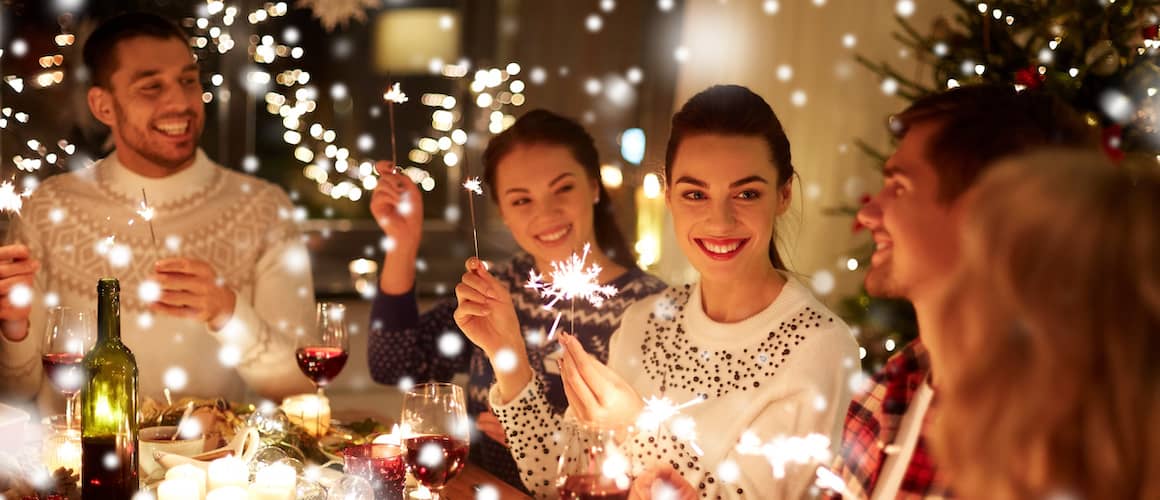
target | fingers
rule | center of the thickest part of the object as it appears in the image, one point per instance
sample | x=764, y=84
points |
x=176, y=311
x=185, y=266
x=13, y=252
x=7, y=284
x=586, y=367
x=483, y=281
x=18, y=267
x=577, y=390
x=182, y=283
x=478, y=285
x=466, y=293
x=468, y=310
x=385, y=167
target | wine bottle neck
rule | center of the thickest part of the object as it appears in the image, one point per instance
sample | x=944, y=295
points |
x=108, y=310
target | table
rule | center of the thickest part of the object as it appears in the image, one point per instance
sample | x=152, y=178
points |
x=463, y=486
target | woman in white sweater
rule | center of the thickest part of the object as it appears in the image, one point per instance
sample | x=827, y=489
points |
x=766, y=356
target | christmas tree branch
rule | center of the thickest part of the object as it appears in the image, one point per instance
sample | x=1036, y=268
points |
x=879, y=157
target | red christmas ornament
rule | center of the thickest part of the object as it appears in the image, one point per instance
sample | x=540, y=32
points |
x=1112, y=138
x=1030, y=77
x=1150, y=32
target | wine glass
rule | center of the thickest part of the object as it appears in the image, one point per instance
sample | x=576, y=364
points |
x=437, y=438
x=322, y=357
x=69, y=335
x=593, y=464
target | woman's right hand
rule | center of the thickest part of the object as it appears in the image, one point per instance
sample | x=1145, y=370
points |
x=488, y=318
x=661, y=482
x=398, y=207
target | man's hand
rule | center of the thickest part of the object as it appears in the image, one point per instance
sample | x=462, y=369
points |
x=190, y=289
x=488, y=424
x=595, y=392
x=17, y=270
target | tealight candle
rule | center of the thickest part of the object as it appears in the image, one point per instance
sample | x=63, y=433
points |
x=274, y=482
x=228, y=471
x=228, y=493
x=63, y=449
x=194, y=474
x=181, y=488
x=309, y=411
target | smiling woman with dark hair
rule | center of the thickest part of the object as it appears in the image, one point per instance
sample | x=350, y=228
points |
x=544, y=174
x=762, y=352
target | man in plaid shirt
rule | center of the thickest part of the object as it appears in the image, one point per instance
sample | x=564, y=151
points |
x=945, y=141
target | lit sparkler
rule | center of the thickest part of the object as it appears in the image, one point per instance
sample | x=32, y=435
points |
x=571, y=281
x=146, y=212
x=784, y=450
x=394, y=95
x=659, y=410
x=10, y=200
x=473, y=186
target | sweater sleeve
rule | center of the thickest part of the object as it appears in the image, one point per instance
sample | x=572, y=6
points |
x=533, y=434
x=807, y=399
x=20, y=367
x=264, y=327
x=404, y=343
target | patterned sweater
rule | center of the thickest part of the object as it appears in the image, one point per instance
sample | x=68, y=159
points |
x=429, y=346
x=239, y=224
x=781, y=372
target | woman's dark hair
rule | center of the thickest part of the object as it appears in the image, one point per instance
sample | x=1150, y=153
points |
x=733, y=110
x=100, y=54
x=542, y=127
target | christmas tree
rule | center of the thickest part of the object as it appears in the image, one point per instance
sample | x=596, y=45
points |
x=1101, y=56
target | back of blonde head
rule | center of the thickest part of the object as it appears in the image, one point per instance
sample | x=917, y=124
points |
x=1055, y=317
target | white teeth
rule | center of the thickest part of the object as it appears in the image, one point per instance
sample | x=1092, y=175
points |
x=173, y=129
x=715, y=248
x=550, y=237
x=881, y=245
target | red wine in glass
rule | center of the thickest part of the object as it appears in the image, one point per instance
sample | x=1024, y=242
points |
x=435, y=459
x=64, y=370
x=321, y=364
x=590, y=487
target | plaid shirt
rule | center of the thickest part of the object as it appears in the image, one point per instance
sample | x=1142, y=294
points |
x=872, y=426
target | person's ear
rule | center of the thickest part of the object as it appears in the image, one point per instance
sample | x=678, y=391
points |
x=101, y=105
x=785, y=195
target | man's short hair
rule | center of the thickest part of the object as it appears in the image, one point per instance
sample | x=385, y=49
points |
x=978, y=124
x=100, y=50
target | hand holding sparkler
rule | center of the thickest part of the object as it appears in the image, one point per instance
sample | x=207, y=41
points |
x=488, y=318
x=397, y=207
x=595, y=392
x=190, y=289
x=17, y=272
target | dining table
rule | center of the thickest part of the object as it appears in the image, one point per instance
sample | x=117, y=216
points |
x=466, y=485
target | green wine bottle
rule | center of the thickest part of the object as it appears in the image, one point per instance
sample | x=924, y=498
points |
x=109, y=406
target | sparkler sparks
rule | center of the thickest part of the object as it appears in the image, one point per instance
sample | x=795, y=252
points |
x=784, y=450
x=394, y=95
x=473, y=185
x=570, y=281
x=659, y=410
x=146, y=212
x=10, y=200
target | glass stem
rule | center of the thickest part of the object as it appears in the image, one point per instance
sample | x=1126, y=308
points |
x=69, y=404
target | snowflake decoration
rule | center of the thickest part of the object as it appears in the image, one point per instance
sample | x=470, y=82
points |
x=332, y=13
x=395, y=95
x=570, y=280
x=473, y=185
x=10, y=200
x=784, y=450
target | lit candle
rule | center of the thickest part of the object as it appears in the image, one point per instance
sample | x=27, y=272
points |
x=228, y=493
x=228, y=471
x=194, y=474
x=182, y=488
x=274, y=482
x=63, y=449
x=309, y=411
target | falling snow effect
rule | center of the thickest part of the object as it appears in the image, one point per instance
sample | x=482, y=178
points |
x=20, y=295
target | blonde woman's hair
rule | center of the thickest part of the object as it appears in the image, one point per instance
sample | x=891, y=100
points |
x=1054, y=387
